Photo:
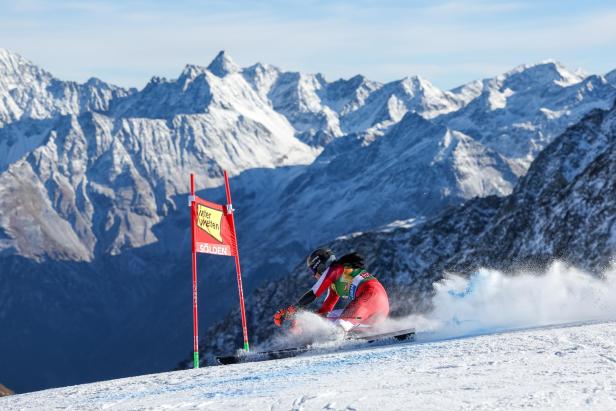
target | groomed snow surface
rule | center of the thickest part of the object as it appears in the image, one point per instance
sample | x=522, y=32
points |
x=462, y=359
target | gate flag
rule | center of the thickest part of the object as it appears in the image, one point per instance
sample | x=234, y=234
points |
x=213, y=233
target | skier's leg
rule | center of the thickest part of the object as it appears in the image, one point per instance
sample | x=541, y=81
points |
x=376, y=308
x=370, y=306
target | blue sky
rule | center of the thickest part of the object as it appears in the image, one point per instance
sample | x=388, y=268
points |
x=447, y=42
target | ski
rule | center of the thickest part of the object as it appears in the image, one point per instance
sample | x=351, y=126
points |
x=400, y=335
x=262, y=355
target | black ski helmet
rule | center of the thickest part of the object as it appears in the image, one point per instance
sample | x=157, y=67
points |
x=320, y=259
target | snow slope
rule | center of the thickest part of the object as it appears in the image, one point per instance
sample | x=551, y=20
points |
x=566, y=368
x=459, y=361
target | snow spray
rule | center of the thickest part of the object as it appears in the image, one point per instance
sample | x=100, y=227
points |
x=490, y=301
x=312, y=327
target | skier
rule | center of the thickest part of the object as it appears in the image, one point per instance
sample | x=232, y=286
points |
x=346, y=278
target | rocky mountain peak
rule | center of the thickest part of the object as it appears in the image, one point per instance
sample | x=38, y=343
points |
x=95, y=82
x=611, y=77
x=544, y=73
x=9, y=59
x=15, y=70
x=223, y=64
x=191, y=71
x=417, y=82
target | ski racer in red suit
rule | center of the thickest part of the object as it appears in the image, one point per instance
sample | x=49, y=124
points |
x=344, y=278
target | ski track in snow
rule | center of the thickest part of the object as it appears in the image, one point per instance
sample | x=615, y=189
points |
x=560, y=367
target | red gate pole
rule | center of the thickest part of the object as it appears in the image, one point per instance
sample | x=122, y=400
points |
x=237, y=263
x=193, y=216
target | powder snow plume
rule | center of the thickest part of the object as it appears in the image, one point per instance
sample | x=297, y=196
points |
x=490, y=301
x=311, y=327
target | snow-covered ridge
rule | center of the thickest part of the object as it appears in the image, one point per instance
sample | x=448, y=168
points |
x=417, y=167
x=547, y=70
x=27, y=91
x=519, y=112
x=420, y=166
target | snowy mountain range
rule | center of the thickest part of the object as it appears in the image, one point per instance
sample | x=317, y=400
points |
x=29, y=92
x=93, y=180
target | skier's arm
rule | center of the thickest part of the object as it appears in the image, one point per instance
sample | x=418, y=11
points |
x=307, y=298
x=319, y=287
x=329, y=303
x=325, y=281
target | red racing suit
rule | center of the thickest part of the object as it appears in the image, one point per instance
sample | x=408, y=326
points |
x=368, y=304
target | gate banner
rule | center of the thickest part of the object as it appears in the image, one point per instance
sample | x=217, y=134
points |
x=213, y=232
x=213, y=229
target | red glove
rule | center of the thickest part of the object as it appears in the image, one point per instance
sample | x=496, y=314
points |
x=284, y=314
x=279, y=317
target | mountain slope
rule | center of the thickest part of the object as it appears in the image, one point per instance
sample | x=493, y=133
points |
x=413, y=171
x=519, y=112
x=106, y=179
x=552, y=367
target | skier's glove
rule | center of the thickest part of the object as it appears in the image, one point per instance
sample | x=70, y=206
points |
x=279, y=317
x=284, y=314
